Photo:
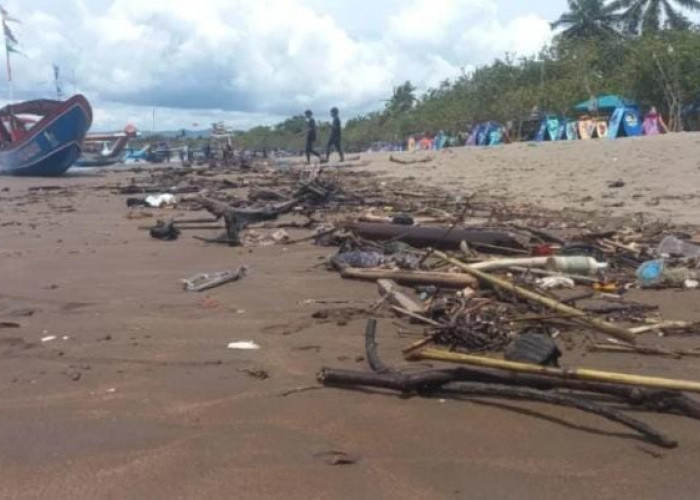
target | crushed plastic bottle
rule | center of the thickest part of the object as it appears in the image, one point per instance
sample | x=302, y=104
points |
x=656, y=273
x=671, y=246
x=650, y=273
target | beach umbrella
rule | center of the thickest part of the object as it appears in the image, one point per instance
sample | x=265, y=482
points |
x=607, y=102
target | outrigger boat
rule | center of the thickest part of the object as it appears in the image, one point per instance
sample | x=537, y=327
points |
x=112, y=148
x=43, y=138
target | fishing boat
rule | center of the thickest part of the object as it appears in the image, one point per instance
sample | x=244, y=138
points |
x=104, y=150
x=43, y=137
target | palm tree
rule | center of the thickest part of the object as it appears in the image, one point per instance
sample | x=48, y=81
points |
x=647, y=15
x=589, y=19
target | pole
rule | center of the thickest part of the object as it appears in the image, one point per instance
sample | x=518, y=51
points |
x=562, y=373
x=9, y=67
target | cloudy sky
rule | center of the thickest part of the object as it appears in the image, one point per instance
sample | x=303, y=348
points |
x=258, y=61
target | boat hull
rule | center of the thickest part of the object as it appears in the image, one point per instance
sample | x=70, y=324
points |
x=53, y=145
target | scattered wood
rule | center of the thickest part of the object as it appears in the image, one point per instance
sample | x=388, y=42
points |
x=569, y=373
x=412, y=161
x=398, y=298
x=524, y=293
x=446, y=280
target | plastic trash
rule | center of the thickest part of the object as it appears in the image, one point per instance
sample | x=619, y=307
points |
x=161, y=200
x=207, y=281
x=671, y=246
x=358, y=259
x=552, y=282
x=657, y=273
x=575, y=265
x=245, y=345
x=650, y=273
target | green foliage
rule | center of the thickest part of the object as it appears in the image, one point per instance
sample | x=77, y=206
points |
x=648, y=16
x=660, y=69
x=589, y=19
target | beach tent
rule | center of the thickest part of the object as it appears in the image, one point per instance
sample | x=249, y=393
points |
x=654, y=123
x=568, y=130
x=625, y=122
x=486, y=134
x=586, y=128
x=604, y=103
x=549, y=129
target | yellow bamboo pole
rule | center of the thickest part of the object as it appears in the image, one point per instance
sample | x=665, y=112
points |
x=565, y=373
x=598, y=324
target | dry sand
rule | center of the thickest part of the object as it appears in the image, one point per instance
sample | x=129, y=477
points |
x=144, y=401
x=662, y=174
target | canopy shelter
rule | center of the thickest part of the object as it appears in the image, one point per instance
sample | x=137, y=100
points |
x=607, y=103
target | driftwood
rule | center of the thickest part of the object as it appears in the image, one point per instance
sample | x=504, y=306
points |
x=491, y=390
x=409, y=278
x=394, y=159
x=444, y=382
x=445, y=238
x=237, y=219
x=524, y=293
x=396, y=297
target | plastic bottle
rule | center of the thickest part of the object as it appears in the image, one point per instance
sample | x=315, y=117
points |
x=650, y=273
x=672, y=246
x=655, y=273
x=575, y=265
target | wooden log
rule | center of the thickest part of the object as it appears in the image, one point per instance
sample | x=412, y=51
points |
x=439, y=383
x=491, y=390
x=396, y=297
x=445, y=238
x=456, y=281
x=598, y=324
x=410, y=161
x=568, y=373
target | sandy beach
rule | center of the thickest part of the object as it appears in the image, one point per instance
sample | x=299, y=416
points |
x=137, y=396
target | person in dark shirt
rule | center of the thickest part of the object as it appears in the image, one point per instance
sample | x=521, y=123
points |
x=310, y=136
x=334, y=141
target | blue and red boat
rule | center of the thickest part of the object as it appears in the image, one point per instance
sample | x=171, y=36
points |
x=43, y=138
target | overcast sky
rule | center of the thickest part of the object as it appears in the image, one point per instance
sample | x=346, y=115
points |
x=258, y=61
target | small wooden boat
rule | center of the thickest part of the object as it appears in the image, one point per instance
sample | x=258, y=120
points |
x=111, y=153
x=43, y=138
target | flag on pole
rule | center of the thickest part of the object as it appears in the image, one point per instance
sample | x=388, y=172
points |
x=11, y=42
x=6, y=16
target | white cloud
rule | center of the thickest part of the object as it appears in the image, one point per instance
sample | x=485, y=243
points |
x=256, y=60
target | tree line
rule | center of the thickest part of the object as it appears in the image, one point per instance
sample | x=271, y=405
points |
x=645, y=50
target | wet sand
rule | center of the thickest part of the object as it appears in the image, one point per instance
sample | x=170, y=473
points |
x=144, y=400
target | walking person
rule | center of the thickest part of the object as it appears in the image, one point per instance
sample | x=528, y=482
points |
x=310, y=136
x=334, y=141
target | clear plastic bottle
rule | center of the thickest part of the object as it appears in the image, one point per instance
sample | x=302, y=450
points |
x=672, y=246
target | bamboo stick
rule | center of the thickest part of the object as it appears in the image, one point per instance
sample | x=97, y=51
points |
x=565, y=373
x=447, y=280
x=598, y=324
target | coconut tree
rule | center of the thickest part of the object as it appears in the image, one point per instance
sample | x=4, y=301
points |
x=589, y=19
x=641, y=16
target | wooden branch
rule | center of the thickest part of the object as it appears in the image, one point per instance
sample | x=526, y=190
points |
x=491, y=390
x=524, y=293
x=410, y=278
x=398, y=298
x=394, y=159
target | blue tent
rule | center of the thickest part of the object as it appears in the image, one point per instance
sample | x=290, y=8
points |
x=625, y=122
x=607, y=103
x=550, y=129
x=486, y=134
x=554, y=128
